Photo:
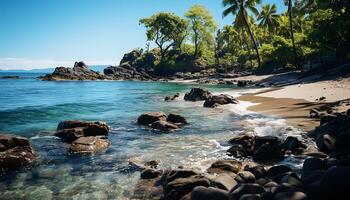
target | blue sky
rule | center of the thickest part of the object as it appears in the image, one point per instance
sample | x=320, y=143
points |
x=50, y=33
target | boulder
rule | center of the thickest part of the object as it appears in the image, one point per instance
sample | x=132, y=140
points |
x=164, y=126
x=197, y=94
x=238, y=151
x=15, y=152
x=278, y=169
x=325, y=143
x=341, y=144
x=294, y=145
x=89, y=144
x=171, y=175
x=335, y=183
x=290, y=196
x=250, y=197
x=242, y=83
x=72, y=130
x=246, y=188
x=245, y=177
x=151, y=117
x=224, y=182
x=225, y=166
x=222, y=99
x=210, y=193
x=181, y=186
x=176, y=119
x=150, y=173
x=271, y=140
x=259, y=171
x=246, y=141
x=268, y=153
x=172, y=98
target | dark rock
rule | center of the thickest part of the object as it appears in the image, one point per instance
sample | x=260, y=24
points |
x=15, y=152
x=278, y=169
x=314, y=114
x=311, y=164
x=152, y=164
x=245, y=177
x=150, y=173
x=238, y=151
x=335, y=183
x=10, y=77
x=225, y=166
x=210, y=193
x=268, y=153
x=271, y=140
x=222, y=99
x=327, y=119
x=224, y=182
x=341, y=145
x=91, y=144
x=181, y=186
x=169, y=176
x=131, y=57
x=246, y=141
x=72, y=130
x=259, y=171
x=151, y=117
x=263, y=181
x=242, y=83
x=172, y=98
x=294, y=145
x=325, y=143
x=291, y=180
x=177, y=119
x=247, y=188
x=164, y=126
x=197, y=94
x=290, y=196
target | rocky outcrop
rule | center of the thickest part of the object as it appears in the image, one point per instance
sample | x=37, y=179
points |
x=159, y=121
x=172, y=98
x=15, y=152
x=222, y=99
x=84, y=137
x=126, y=72
x=197, y=94
x=80, y=71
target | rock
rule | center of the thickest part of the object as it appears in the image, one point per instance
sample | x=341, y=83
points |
x=164, y=126
x=290, y=196
x=153, y=164
x=151, y=117
x=294, y=145
x=242, y=83
x=291, y=180
x=250, y=197
x=341, y=144
x=271, y=140
x=224, y=182
x=325, y=143
x=238, y=151
x=197, y=94
x=278, y=169
x=89, y=144
x=150, y=173
x=314, y=114
x=245, y=177
x=169, y=176
x=210, y=193
x=131, y=57
x=177, y=119
x=72, y=130
x=222, y=99
x=268, y=153
x=181, y=186
x=246, y=141
x=172, y=98
x=15, y=152
x=80, y=71
x=225, y=166
x=10, y=77
x=335, y=183
x=311, y=164
x=246, y=188
x=259, y=171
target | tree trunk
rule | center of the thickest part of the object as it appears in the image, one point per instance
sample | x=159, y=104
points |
x=292, y=33
x=253, y=39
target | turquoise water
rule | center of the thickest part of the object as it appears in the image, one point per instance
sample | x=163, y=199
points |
x=33, y=108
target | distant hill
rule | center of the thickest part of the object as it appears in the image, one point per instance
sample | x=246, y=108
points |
x=98, y=68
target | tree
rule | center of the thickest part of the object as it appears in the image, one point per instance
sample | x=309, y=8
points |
x=202, y=27
x=239, y=8
x=166, y=29
x=268, y=17
x=290, y=12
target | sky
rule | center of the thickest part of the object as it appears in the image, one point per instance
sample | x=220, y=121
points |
x=49, y=33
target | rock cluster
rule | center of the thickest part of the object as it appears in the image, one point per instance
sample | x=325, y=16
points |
x=197, y=94
x=172, y=98
x=159, y=121
x=15, y=152
x=264, y=148
x=216, y=100
x=84, y=137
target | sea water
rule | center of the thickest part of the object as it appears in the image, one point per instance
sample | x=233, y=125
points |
x=33, y=108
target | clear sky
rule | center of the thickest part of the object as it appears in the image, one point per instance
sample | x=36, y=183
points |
x=50, y=33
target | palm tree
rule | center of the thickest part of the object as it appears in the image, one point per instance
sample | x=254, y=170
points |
x=290, y=12
x=268, y=17
x=239, y=8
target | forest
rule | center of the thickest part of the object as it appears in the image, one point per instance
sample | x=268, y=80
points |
x=309, y=34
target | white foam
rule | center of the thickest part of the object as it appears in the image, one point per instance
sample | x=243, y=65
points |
x=44, y=137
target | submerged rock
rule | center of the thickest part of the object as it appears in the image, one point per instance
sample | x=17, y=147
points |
x=164, y=126
x=151, y=117
x=15, y=152
x=197, y=94
x=222, y=99
x=89, y=144
x=159, y=121
x=172, y=98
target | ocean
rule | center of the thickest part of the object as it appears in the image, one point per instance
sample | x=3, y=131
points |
x=33, y=108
